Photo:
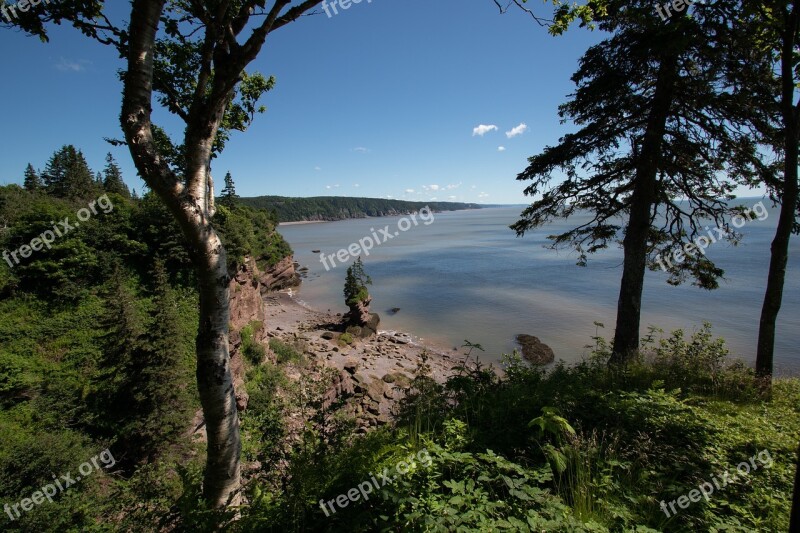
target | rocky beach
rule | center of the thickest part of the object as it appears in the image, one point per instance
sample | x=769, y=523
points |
x=374, y=371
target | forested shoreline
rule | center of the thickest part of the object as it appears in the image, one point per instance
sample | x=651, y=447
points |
x=331, y=208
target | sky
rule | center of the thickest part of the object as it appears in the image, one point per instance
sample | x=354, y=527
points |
x=418, y=100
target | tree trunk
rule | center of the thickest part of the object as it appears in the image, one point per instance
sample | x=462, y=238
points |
x=643, y=200
x=789, y=198
x=794, y=519
x=214, y=379
x=192, y=206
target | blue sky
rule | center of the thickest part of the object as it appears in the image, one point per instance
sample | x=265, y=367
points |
x=381, y=100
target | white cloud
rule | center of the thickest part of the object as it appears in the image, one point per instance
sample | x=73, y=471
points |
x=453, y=186
x=483, y=129
x=356, y=185
x=337, y=186
x=317, y=169
x=432, y=199
x=433, y=187
x=474, y=187
x=327, y=186
x=409, y=191
x=519, y=130
x=483, y=195
x=389, y=196
x=452, y=197
x=501, y=148
x=65, y=65
x=361, y=149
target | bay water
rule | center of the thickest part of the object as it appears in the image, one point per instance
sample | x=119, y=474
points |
x=466, y=276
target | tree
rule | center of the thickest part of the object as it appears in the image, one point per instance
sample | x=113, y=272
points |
x=112, y=178
x=794, y=518
x=67, y=175
x=656, y=129
x=228, y=196
x=193, y=55
x=33, y=182
x=160, y=396
x=774, y=32
x=120, y=343
x=141, y=401
x=355, y=284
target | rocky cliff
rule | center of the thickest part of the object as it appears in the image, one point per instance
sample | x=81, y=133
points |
x=280, y=276
x=246, y=307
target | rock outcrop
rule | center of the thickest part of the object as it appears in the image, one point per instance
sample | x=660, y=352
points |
x=535, y=351
x=246, y=307
x=359, y=321
x=281, y=276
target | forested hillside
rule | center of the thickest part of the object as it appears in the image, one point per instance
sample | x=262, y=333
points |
x=340, y=208
x=98, y=317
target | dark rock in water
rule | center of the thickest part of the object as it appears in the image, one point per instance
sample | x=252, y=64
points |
x=316, y=251
x=394, y=310
x=535, y=350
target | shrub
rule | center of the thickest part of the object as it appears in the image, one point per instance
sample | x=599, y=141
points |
x=285, y=353
x=251, y=349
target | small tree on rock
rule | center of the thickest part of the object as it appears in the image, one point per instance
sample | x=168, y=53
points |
x=361, y=322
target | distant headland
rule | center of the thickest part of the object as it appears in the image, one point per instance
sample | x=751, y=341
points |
x=330, y=208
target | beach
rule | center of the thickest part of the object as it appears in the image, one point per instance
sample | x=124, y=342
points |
x=388, y=352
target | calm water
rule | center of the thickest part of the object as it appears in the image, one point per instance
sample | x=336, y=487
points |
x=467, y=276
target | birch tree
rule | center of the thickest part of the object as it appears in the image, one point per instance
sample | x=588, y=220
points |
x=189, y=56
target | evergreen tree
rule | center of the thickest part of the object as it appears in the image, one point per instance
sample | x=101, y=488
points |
x=655, y=155
x=355, y=284
x=228, y=194
x=112, y=178
x=121, y=344
x=67, y=175
x=32, y=182
x=770, y=78
x=141, y=399
x=160, y=394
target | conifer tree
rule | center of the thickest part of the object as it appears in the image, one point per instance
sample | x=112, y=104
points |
x=159, y=394
x=33, y=182
x=67, y=175
x=120, y=344
x=657, y=154
x=112, y=178
x=228, y=194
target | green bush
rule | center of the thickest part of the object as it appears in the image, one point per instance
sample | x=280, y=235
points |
x=285, y=353
x=252, y=351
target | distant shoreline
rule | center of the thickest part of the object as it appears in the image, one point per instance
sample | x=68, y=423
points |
x=299, y=222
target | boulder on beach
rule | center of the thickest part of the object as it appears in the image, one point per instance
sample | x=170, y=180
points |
x=534, y=350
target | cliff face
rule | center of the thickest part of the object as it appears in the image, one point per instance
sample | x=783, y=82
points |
x=246, y=307
x=280, y=276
